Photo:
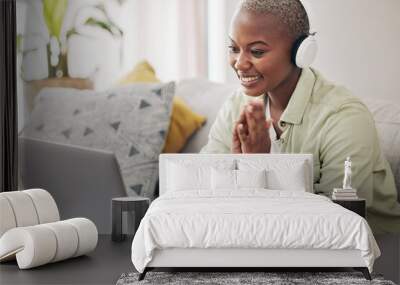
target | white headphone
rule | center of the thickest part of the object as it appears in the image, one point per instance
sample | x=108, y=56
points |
x=305, y=47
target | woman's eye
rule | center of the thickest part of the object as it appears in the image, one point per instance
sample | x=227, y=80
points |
x=257, y=52
x=233, y=49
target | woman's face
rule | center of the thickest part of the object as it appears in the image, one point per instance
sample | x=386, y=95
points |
x=260, y=52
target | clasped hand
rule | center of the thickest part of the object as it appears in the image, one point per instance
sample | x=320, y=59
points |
x=250, y=133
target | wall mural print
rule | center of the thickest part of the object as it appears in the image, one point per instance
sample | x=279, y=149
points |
x=70, y=54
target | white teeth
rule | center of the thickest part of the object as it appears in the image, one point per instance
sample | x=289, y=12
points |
x=248, y=79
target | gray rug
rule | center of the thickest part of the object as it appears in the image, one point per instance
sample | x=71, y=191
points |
x=230, y=278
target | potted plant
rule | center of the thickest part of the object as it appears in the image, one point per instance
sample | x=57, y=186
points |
x=59, y=33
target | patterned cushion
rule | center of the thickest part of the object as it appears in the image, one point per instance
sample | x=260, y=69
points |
x=184, y=122
x=131, y=121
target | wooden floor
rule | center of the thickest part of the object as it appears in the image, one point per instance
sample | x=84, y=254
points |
x=103, y=266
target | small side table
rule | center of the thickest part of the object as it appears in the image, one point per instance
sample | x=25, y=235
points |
x=357, y=205
x=138, y=205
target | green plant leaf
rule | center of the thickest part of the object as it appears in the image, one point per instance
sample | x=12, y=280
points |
x=105, y=25
x=54, y=12
x=72, y=32
x=19, y=40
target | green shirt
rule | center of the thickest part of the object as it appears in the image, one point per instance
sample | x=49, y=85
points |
x=327, y=121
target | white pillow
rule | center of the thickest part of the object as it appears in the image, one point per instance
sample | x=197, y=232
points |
x=193, y=174
x=251, y=179
x=181, y=177
x=226, y=179
x=291, y=175
x=223, y=179
x=290, y=179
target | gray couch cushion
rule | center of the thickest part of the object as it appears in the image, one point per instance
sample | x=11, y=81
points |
x=206, y=98
x=387, y=120
x=132, y=121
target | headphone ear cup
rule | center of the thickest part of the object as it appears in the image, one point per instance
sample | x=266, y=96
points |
x=304, y=51
x=295, y=48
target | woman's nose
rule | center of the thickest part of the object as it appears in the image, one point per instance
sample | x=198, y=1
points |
x=242, y=62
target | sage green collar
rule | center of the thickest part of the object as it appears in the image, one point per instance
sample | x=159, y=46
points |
x=296, y=107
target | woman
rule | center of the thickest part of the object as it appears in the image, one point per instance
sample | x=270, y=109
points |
x=283, y=108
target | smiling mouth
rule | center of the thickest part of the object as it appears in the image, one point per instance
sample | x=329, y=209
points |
x=249, y=80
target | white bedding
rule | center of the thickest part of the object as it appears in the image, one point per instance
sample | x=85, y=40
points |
x=252, y=218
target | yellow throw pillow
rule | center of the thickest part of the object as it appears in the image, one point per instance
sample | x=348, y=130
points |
x=184, y=122
x=142, y=72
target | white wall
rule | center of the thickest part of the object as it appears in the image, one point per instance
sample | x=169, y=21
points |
x=219, y=17
x=359, y=44
x=171, y=36
x=216, y=30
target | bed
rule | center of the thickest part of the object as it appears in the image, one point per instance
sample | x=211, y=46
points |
x=247, y=211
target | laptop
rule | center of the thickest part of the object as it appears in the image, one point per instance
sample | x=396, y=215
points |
x=82, y=181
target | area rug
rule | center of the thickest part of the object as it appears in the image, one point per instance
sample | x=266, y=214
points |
x=244, y=278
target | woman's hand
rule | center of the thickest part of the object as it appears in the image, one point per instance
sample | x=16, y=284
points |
x=240, y=124
x=251, y=130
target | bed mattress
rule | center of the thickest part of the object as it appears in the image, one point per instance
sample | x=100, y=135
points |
x=250, y=219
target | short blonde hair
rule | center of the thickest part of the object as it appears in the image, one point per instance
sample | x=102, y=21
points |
x=290, y=12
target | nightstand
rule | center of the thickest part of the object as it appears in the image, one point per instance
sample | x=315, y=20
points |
x=357, y=205
x=138, y=205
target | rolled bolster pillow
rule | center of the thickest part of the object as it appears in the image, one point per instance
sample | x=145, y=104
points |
x=26, y=208
x=23, y=208
x=33, y=246
x=40, y=244
x=45, y=206
x=67, y=239
x=87, y=234
x=7, y=218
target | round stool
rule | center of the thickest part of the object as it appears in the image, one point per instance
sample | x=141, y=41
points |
x=138, y=205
